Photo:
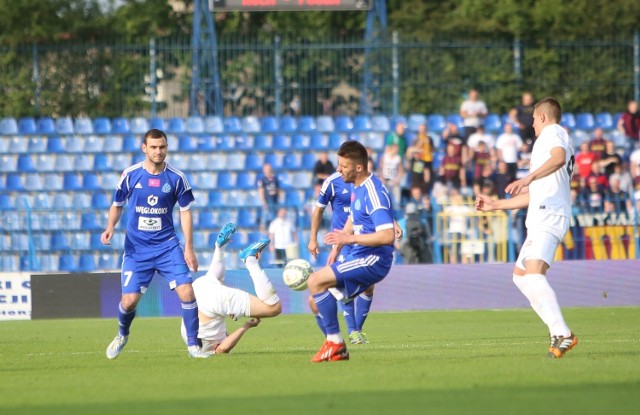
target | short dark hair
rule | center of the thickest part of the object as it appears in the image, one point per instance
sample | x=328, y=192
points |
x=154, y=133
x=551, y=107
x=354, y=150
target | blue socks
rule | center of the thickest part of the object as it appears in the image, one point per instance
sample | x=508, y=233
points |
x=191, y=322
x=320, y=324
x=328, y=312
x=362, y=307
x=125, y=318
x=348, y=310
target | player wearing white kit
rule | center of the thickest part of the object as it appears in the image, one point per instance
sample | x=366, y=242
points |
x=545, y=191
x=216, y=301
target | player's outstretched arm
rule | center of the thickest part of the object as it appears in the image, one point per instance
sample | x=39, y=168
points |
x=485, y=203
x=232, y=339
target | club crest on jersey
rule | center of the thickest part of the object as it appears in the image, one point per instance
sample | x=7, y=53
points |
x=166, y=188
x=154, y=183
x=152, y=200
x=357, y=206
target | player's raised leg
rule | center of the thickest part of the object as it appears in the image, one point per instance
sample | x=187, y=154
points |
x=261, y=283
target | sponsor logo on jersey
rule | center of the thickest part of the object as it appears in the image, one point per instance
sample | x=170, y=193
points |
x=149, y=224
x=357, y=205
x=137, y=186
x=345, y=191
x=151, y=211
x=166, y=188
x=154, y=182
x=152, y=200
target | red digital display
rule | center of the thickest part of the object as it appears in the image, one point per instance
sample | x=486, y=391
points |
x=289, y=5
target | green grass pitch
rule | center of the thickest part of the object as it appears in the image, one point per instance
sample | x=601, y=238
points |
x=460, y=362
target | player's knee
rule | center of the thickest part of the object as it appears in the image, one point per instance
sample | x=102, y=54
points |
x=369, y=291
x=276, y=309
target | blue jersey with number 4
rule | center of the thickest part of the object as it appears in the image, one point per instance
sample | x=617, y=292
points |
x=151, y=199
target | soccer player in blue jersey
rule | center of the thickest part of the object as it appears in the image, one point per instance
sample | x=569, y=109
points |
x=370, y=231
x=151, y=189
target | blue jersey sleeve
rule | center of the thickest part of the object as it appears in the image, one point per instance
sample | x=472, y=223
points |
x=185, y=195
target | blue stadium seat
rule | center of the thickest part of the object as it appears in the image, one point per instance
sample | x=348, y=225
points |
x=318, y=141
x=261, y=142
x=604, y=120
x=251, y=124
x=362, y=123
x=200, y=240
x=33, y=182
x=5, y=202
x=89, y=222
x=300, y=142
x=455, y=119
x=42, y=200
x=585, y=121
x=243, y=142
x=55, y=145
x=176, y=126
x=291, y=161
x=415, y=120
x=343, y=124
x=253, y=161
x=100, y=200
x=187, y=143
x=158, y=123
x=216, y=198
x=59, y=241
x=74, y=144
x=107, y=261
x=287, y=124
x=46, y=125
x=9, y=126
x=82, y=162
x=87, y=263
x=197, y=162
x=93, y=144
x=292, y=198
x=493, y=124
x=22, y=200
x=61, y=201
x=336, y=140
x=307, y=124
x=235, y=161
x=27, y=126
x=436, y=123
x=226, y=180
x=91, y=181
x=14, y=182
x=19, y=241
x=79, y=241
x=120, y=125
x=325, y=124
x=83, y=126
x=129, y=143
x=18, y=144
x=64, y=126
x=52, y=182
x=95, y=242
x=194, y=125
x=206, y=143
x=112, y=144
x=205, y=219
x=274, y=159
x=308, y=161
x=37, y=145
x=245, y=180
x=232, y=125
x=247, y=218
x=235, y=198
x=393, y=121
x=64, y=162
x=380, y=123
x=225, y=142
x=101, y=162
x=269, y=124
x=25, y=164
x=67, y=262
x=81, y=200
x=568, y=120
x=138, y=125
x=239, y=239
x=213, y=124
x=7, y=164
x=71, y=182
x=281, y=142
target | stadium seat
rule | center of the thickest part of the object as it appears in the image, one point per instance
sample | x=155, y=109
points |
x=261, y=142
x=82, y=162
x=206, y=143
x=91, y=181
x=281, y=142
x=235, y=161
x=269, y=124
x=201, y=240
x=41, y=241
x=176, y=126
x=380, y=123
x=362, y=123
x=19, y=241
x=138, y=125
x=7, y=164
x=59, y=241
x=216, y=161
x=232, y=125
x=253, y=161
x=493, y=124
x=87, y=263
x=393, y=121
x=74, y=144
x=61, y=201
x=216, y=198
x=107, y=261
x=120, y=125
x=80, y=200
x=42, y=201
x=25, y=164
x=213, y=124
x=8, y=263
x=251, y=124
x=93, y=144
x=157, y=123
x=245, y=180
x=578, y=137
x=83, y=126
x=187, y=143
x=291, y=161
x=308, y=161
x=119, y=162
x=318, y=141
x=67, y=262
x=14, y=182
x=22, y=200
x=225, y=142
x=79, y=241
x=112, y=144
x=336, y=140
x=292, y=198
x=235, y=198
x=71, y=182
x=129, y=143
x=100, y=200
x=205, y=219
x=568, y=120
x=101, y=163
x=325, y=124
x=226, y=180
x=436, y=123
x=52, y=182
x=46, y=126
x=9, y=126
x=33, y=182
x=274, y=159
x=27, y=126
x=307, y=124
x=194, y=125
x=287, y=124
x=300, y=142
x=415, y=120
x=243, y=142
x=89, y=222
x=604, y=120
x=239, y=239
x=64, y=126
x=197, y=162
x=18, y=144
x=343, y=124
x=247, y=218
x=585, y=121
x=455, y=119
x=44, y=162
x=5, y=202
x=55, y=145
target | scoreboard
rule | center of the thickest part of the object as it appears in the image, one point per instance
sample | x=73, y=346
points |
x=288, y=5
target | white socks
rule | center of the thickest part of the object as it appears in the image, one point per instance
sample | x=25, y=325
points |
x=543, y=301
x=261, y=283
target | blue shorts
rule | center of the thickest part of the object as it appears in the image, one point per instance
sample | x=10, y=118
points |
x=137, y=273
x=344, y=252
x=355, y=275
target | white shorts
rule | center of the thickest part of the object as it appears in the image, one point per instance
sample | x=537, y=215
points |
x=543, y=239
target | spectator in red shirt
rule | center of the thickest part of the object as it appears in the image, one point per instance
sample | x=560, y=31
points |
x=629, y=123
x=584, y=159
x=598, y=143
x=452, y=171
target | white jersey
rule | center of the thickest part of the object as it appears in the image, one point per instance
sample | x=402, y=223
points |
x=550, y=195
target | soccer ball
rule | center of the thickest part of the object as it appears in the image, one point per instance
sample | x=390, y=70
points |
x=296, y=273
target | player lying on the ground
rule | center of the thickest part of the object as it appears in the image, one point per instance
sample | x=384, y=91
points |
x=217, y=301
